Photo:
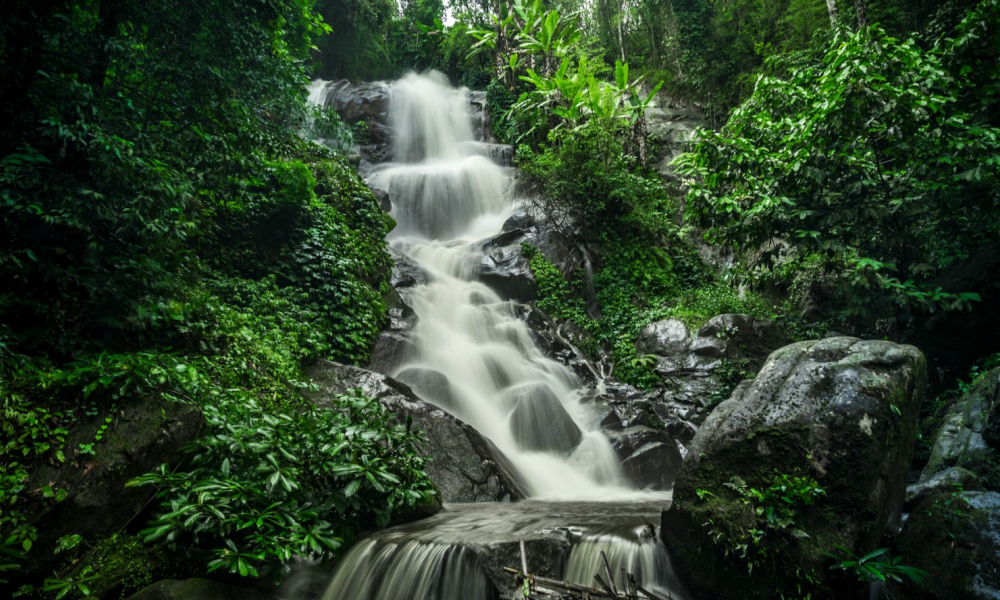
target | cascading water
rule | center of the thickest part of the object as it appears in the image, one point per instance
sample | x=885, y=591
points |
x=475, y=359
x=446, y=197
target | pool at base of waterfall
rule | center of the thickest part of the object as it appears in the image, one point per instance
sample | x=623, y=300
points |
x=460, y=553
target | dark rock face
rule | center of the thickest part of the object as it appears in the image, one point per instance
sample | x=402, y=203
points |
x=382, y=197
x=197, y=589
x=651, y=458
x=966, y=438
x=539, y=422
x=956, y=538
x=98, y=504
x=465, y=466
x=505, y=269
x=393, y=348
x=841, y=409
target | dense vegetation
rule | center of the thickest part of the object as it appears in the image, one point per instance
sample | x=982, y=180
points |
x=169, y=235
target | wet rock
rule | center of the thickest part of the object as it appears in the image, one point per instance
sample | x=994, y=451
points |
x=430, y=385
x=197, y=589
x=464, y=466
x=359, y=101
x=392, y=350
x=560, y=341
x=142, y=436
x=505, y=270
x=382, y=198
x=949, y=480
x=522, y=221
x=962, y=439
x=540, y=423
x=842, y=410
x=650, y=458
x=955, y=538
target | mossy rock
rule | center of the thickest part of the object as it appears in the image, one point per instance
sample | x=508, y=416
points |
x=962, y=440
x=840, y=410
x=955, y=537
x=142, y=435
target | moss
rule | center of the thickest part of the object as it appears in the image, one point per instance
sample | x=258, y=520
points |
x=125, y=565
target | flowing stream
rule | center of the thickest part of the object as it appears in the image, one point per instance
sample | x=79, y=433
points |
x=448, y=197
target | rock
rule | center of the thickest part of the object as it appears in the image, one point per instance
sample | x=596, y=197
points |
x=359, y=101
x=197, y=589
x=672, y=131
x=522, y=221
x=741, y=336
x=464, y=466
x=143, y=435
x=841, y=410
x=667, y=338
x=382, y=198
x=560, y=341
x=392, y=350
x=650, y=458
x=949, y=480
x=505, y=269
x=961, y=440
x=430, y=385
x=539, y=422
x=955, y=538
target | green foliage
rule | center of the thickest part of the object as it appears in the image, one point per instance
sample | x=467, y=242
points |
x=265, y=486
x=770, y=514
x=876, y=565
x=167, y=232
x=880, y=156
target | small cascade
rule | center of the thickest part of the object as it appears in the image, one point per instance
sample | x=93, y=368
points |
x=375, y=570
x=633, y=549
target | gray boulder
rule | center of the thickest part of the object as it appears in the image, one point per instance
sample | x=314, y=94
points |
x=962, y=439
x=464, y=466
x=955, y=538
x=430, y=385
x=197, y=589
x=841, y=410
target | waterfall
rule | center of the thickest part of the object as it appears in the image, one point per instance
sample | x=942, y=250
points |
x=448, y=196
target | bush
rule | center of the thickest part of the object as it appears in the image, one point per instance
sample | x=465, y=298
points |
x=266, y=486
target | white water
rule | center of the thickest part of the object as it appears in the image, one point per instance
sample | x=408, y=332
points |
x=448, y=198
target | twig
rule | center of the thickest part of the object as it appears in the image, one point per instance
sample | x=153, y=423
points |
x=607, y=571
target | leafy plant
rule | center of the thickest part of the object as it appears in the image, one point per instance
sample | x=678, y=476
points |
x=264, y=487
x=876, y=565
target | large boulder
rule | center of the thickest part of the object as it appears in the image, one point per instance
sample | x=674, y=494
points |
x=465, y=466
x=197, y=589
x=966, y=438
x=955, y=537
x=142, y=435
x=672, y=130
x=840, y=410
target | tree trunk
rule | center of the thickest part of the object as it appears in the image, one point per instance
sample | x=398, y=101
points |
x=831, y=5
x=862, y=9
